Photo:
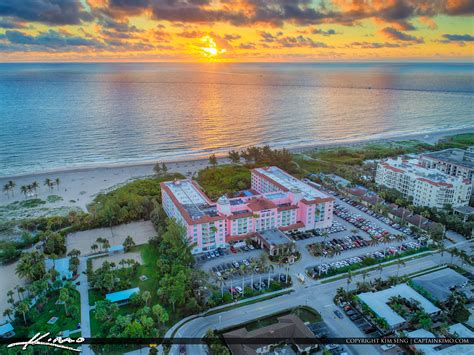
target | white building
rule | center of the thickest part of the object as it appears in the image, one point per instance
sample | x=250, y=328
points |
x=427, y=187
x=455, y=162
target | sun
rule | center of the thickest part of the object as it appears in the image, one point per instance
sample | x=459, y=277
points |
x=209, y=48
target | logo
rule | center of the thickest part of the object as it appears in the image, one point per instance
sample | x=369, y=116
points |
x=56, y=342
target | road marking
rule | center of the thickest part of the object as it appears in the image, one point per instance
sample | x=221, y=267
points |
x=328, y=305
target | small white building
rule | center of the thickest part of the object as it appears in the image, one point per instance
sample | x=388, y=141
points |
x=427, y=187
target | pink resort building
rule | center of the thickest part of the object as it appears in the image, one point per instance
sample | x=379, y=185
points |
x=277, y=201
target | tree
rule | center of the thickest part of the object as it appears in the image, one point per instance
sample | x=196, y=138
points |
x=35, y=186
x=234, y=156
x=213, y=160
x=12, y=185
x=57, y=181
x=146, y=295
x=160, y=313
x=31, y=266
x=74, y=253
x=105, y=244
x=105, y=311
x=23, y=308
x=164, y=168
x=349, y=279
x=94, y=247
x=64, y=297
x=6, y=189
x=157, y=169
x=8, y=313
x=400, y=262
x=128, y=243
x=24, y=190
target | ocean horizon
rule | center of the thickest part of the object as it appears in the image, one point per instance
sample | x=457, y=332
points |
x=70, y=115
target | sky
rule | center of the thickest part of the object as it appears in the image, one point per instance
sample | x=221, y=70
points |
x=236, y=30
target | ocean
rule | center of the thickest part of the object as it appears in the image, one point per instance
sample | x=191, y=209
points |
x=62, y=116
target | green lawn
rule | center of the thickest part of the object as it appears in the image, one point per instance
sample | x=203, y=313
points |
x=50, y=309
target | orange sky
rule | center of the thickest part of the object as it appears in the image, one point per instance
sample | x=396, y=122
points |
x=235, y=30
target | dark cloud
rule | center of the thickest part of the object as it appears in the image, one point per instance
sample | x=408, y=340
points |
x=9, y=24
x=318, y=31
x=232, y=37
x=247, y=45
x=392, y=33
x=118, y=26
x=267, y=37
x=191, y=34
x=50, y=39
x=376, y=45
x=300, y=41
x=299, y=12
x=458, y=38
x=53, y=12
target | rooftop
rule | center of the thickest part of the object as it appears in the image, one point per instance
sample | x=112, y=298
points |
x=289, y=182
x=457, y=156
x=121, y=295
x=443, y=349
x=377, y=301
x=5, y=328
x=288, y=327
x=413, y=168
x=275, y=237
x=440, y=283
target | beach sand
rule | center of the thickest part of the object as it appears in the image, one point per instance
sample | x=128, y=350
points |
x=78, y=187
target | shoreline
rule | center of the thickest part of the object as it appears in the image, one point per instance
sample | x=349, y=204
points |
x=427, y=137
x=79, y=186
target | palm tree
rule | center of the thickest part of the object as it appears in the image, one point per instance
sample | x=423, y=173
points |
x=146, y=295
x=365, y=273
x=8, y=313
x=6, y=189
x=341, y=294
x=48, y=182
x=64, y=297
x=57, y=183
x=349, y=279
x=24, y=190
x=23, y=308
x=12, y=185
x=380, y=268
x=400, y=262
x=94, y=247
x=34, y=186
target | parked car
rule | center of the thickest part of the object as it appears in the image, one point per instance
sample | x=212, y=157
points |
x=338, y=314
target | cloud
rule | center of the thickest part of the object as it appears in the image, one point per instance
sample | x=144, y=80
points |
x=300, y=41
x=53, y=12
x=247, y=45
x=232, y=37
x=9, y=24
x=377, y=45
x=50, y=39
x=458, y=38
x=191, y=34
x=267, y=37
x=392, y=33
x=318, y=31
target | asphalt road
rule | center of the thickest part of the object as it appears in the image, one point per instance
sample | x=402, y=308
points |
x=318, y=296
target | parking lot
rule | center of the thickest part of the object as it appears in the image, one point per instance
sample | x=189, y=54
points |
x=379, y=255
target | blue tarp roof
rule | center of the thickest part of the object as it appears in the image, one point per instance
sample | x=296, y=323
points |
x=5, y=328
x=115, y=248
x=121, y=295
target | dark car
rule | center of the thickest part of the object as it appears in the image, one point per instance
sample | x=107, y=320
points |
x=338, y=314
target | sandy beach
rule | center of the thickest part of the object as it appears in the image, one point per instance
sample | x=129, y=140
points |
x=79, y=186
